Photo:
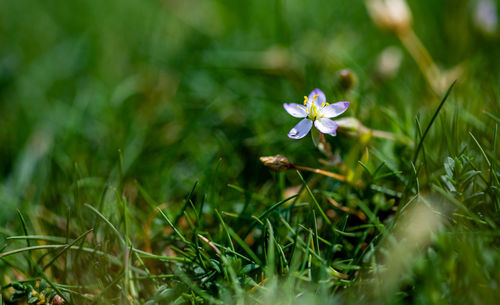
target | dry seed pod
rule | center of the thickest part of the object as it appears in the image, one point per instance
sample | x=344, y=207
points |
x=393, y=15
x=277, y=163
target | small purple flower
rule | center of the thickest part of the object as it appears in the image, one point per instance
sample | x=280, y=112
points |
x=315, y=111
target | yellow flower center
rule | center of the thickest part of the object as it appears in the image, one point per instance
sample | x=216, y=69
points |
x=313, y=113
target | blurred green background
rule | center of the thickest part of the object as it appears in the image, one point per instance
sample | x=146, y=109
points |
x=178, y=85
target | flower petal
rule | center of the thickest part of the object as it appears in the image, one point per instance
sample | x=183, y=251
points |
x=326, y=126
x=301, y=129
x=333, y=110
x=320, y=99
x=296, y=110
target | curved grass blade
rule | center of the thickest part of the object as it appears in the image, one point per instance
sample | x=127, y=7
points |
x=66, y=247
x=421, y=142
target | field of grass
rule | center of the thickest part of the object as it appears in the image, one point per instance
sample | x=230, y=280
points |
x=131, y=137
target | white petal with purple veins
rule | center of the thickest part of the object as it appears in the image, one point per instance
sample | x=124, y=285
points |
x=326, y=126
x=296, y=110
x=320, y=99
x=333, y=110
x=301, y=129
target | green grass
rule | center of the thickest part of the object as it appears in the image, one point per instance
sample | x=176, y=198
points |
x=131, y=133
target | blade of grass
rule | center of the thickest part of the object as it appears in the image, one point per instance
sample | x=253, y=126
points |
x=493, y=117
x=66, y=247
x=265, y=213
x=244, y=246
x=25, y=229
x=184, y=206
x=117, y=233
x=481, y=149
x=225, y=229
x=270, y=251
x=107, y=256
x=327, y=220
x=421, y=142
x=177, y=232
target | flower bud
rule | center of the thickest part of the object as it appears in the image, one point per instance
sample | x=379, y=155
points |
x=352, y=127
x=388, y=63
x=485, y=17
x=393, y=15
x=346, y=79
x=277, y=163
x=349, y=124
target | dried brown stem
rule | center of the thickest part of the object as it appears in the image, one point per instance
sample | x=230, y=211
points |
x=321, y=172
x=422, y=57
x=326, y=146
x=359, y=214
x=209, y=243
